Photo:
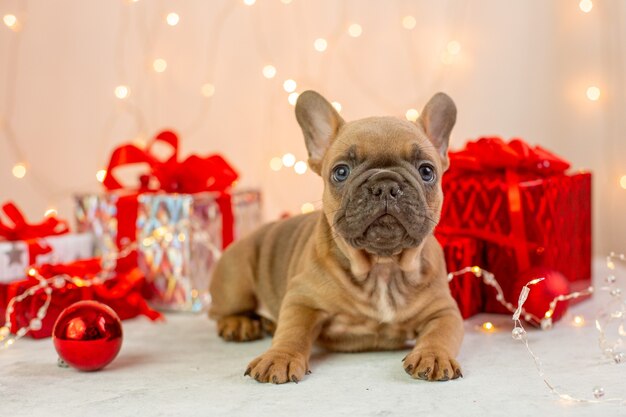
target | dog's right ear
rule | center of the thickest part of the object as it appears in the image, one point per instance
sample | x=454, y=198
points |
x=319, y=122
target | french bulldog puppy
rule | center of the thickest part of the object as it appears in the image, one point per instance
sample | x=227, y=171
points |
x=365, y=272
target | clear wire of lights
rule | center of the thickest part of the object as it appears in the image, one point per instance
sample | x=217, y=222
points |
x=610, y=313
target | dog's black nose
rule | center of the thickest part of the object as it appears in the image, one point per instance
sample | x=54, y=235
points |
x=385, y=188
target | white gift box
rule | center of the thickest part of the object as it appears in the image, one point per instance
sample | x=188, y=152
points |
x=14, y=255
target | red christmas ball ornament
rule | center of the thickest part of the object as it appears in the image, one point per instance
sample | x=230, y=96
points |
x=542, y=294
x=87, y=335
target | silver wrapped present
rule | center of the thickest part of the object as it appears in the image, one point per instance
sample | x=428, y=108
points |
x=179, y=238
x=97, y=214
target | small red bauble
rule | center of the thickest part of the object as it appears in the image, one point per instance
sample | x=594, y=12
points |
x=542, y=293
x=87, y=335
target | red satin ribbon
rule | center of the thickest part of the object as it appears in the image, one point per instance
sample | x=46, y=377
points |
x=31, y=233
x=192, y=175
x=511, y=161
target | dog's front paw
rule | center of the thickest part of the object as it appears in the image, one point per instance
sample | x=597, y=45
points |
x=431, y=365
x=239, y=328
x=278, y=367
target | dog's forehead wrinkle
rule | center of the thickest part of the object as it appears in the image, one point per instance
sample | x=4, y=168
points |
x=380, y=129
x=419, y=151
x=379, y=152
x=352, y=153
x=349, y=155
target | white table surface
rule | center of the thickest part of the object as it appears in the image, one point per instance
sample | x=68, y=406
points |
x=182, y=368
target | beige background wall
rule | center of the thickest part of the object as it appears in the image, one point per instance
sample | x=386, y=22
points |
x=523, y=70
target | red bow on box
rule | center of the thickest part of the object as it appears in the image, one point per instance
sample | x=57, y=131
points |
x=494, y=154
x=30, y=233
x=194, y=174
x=512, y=160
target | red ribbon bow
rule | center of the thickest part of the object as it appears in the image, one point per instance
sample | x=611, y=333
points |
x=513, y=160
x=494, y=154
x=20, y=229
x=194, y=174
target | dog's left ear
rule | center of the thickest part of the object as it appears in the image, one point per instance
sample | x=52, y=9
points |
x=437, y=120
x=319, y=122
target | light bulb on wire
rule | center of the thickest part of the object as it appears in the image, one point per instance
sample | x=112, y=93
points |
x=450, y=54
x=585, y=5
x=159, y=65
x=293, y=98
x=288, y=160
x=307, y=208
x=453, y=47
x=593, y=93
x=355, y=30
x=172, y=19
x=300, y=167
x=320, y=44
x=488, y=327
x=10, y=20
x=207, y=90
x=290, y=86
x=276, y=163
x=19, y=170
x=122, y=92
x=409, y=22
x=269, y=71
x=50, y=212
x=101, y=174
x=412, y=115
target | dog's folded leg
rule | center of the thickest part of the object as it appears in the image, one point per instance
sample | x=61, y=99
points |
x=233, y=301
x=288, y=358
x=438, y=343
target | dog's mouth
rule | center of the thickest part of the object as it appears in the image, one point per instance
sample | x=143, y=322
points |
x=385, y=236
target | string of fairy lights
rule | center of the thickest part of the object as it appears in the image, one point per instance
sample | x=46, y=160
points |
x=16, y=23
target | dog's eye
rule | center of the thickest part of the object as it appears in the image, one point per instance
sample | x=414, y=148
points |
x=427, y=172
x=341, y=172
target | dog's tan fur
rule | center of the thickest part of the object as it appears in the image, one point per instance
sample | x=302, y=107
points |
x=302, y=275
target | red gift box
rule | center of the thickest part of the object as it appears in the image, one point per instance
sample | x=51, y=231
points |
x=121, y=292
x=466, y=289
x=524, y=207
